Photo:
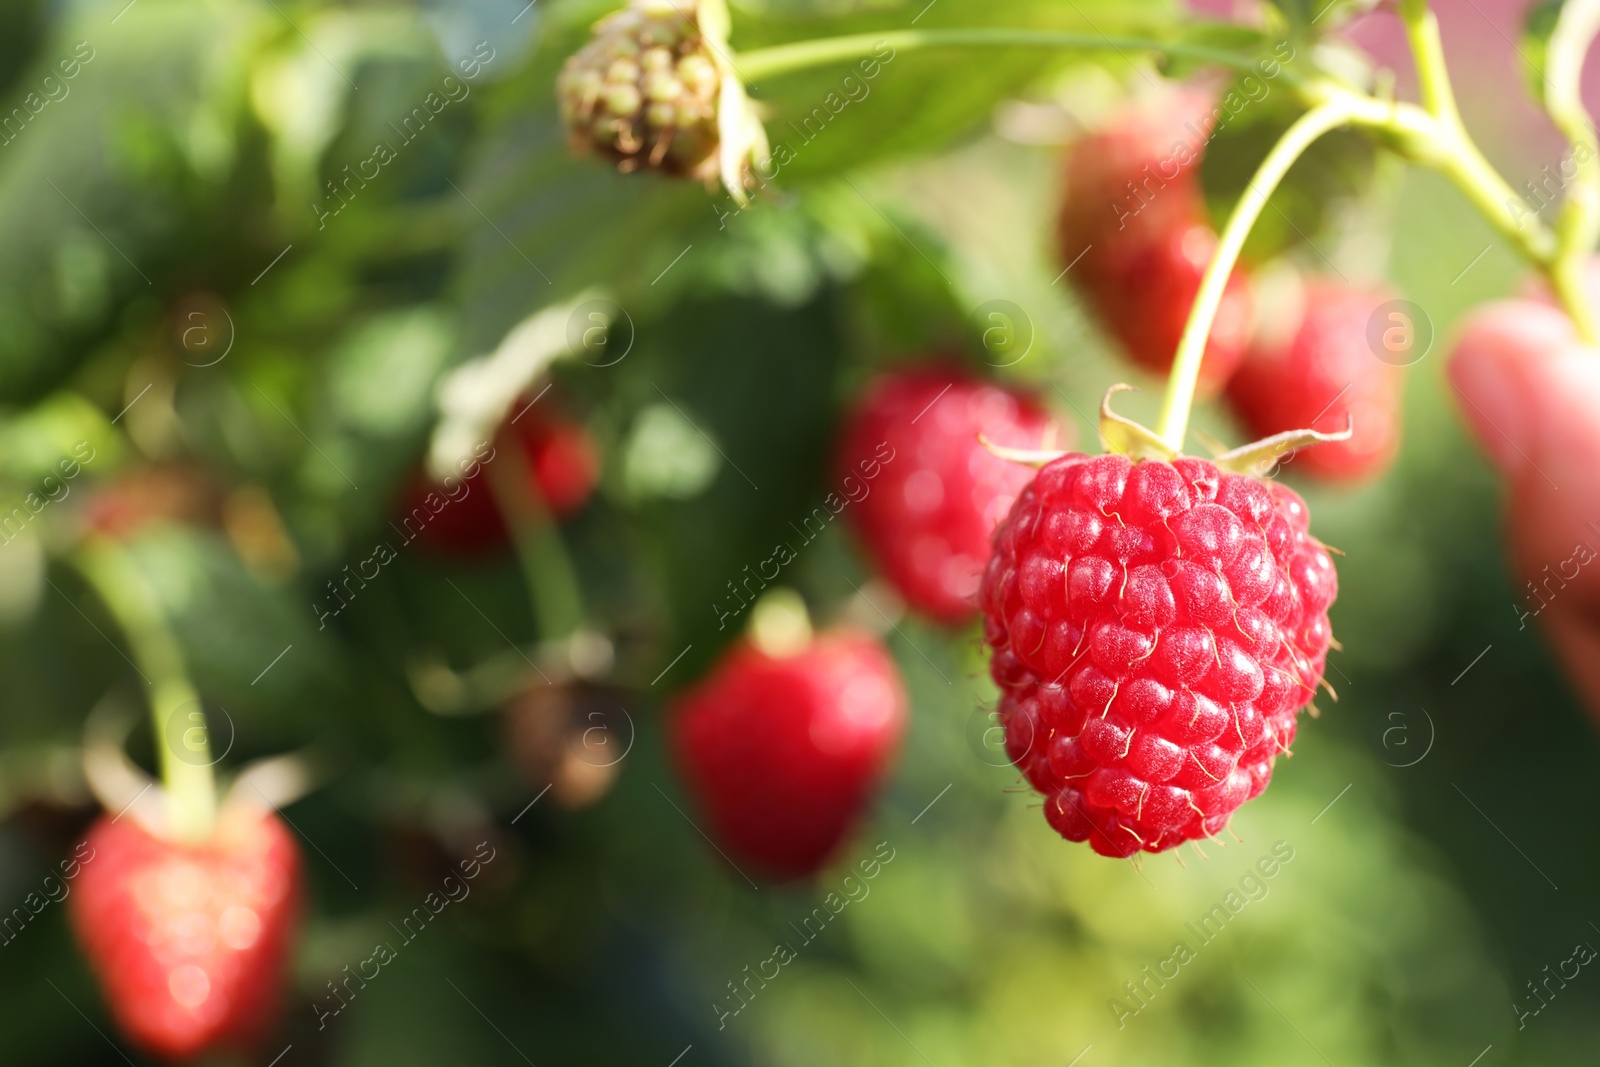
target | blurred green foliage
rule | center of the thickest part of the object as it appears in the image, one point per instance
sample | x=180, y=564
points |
x=187, y=182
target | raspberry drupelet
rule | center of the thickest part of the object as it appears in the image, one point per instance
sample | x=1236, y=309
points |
x=1155, y=628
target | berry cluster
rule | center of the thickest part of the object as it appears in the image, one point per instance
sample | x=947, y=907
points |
x=1155, y=621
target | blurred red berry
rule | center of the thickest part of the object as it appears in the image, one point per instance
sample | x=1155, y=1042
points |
x=564, y=460
x=925, y=494
x=782, y=752
x=461, y=517
x=1134, y=231
x=178, y=493
x=190, y=941
x=1529, y=390
x=1155, y=628
x=1322, y=374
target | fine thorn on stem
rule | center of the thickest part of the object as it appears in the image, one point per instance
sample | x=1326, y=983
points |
x=1179, y=399
x=177, y=717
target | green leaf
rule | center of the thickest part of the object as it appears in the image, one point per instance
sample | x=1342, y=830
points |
x=895, y=103
x=115, y=162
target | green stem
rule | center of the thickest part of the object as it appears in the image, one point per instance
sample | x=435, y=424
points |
x=1449, y=148
x=1579, y=225
x=784, y=58
x=1433, y=77
x=1567, y=279
x=546, y=567
x=1179, y=398
x=176, y=716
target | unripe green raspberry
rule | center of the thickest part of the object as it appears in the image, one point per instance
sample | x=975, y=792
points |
x=656, y=59
x=622, y=70
x=622, y=100
x=637, y=58
x=698, y=73
x=662, y=88
x=655, y=89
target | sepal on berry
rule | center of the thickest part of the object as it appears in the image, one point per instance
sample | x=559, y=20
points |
x=1126, y=437
x=1028, y=457
x=1258, y=457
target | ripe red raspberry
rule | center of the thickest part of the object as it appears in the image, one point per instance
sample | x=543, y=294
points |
x=562, y=459
x=189, y=941
x=1155, y=628
x=1322, y=374
x=781, y=752
x=932, y=493
x=1135, y=213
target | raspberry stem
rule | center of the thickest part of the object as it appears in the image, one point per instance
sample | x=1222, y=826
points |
x=1451, y=149
x=546, y=567
x=784, y=58
x=1579, y=224
x=183, y=746
x=1335, y=111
